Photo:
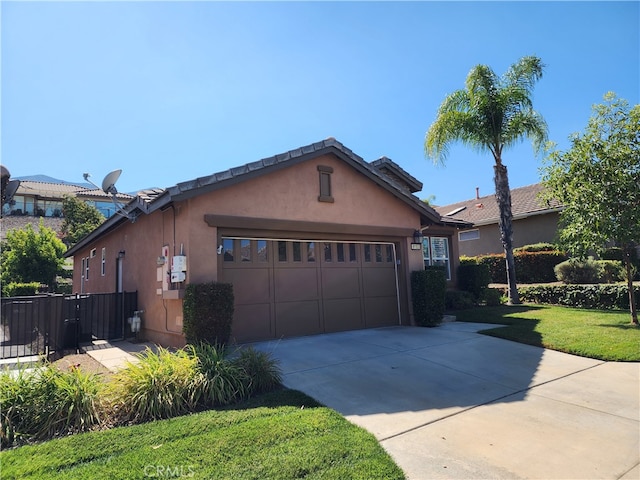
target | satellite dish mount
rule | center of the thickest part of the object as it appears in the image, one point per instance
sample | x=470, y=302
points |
x=109, y=187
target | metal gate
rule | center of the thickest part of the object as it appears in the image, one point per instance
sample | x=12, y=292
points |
x=44, y=325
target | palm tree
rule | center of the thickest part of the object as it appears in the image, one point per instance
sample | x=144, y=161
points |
x=489, y=114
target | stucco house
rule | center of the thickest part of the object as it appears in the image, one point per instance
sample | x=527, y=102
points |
x=533, y=220
x=313, y=240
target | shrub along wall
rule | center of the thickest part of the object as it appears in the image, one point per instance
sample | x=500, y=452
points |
x=531, y=267
x=604, y=297
x=428, y=289
x=208, y=312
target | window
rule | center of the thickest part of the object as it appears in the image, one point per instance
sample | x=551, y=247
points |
x=86, y=269
x=103, y=265
x=282, y=251
x=245, y=250
x=340, y=248
x=311, y=252
x=262, y=251
x=435, y=252
x=352, y=253
x=325, y=184
x=327, y=252
x=227, y=248
x=297, y=252
x=469, y=235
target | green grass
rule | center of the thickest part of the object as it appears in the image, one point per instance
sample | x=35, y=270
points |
x=278, y=435
x=604, y=335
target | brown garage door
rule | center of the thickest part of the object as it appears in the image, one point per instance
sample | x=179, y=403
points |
x=287, y=288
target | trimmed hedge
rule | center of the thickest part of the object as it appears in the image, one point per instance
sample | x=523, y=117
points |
x=16, y=289
x=428, y=289
x=473, y=278
x=208, y=313
x=531, y=267
x=601, y=297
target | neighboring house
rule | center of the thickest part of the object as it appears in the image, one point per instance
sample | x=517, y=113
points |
x=533, y=220
x=36, y=199
x=313, y=240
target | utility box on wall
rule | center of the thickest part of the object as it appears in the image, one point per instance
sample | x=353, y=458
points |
x=179, y=263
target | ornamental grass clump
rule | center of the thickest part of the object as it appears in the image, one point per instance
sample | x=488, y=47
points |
x=44, y=402
x=220, y=381
x=262, y=370
x=159, y=385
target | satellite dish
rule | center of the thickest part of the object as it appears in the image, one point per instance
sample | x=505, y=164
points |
x=109, y=182
x=9, y=191
x=109, y=187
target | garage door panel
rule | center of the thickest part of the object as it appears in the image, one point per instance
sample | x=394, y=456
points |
x=381, y=312
x=298, y=318
x=379, y=282
x=250, y=285
x=296, y=284
x=340, y=283
x=342, y=314
x=251, y=323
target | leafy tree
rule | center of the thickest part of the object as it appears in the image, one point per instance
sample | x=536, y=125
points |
x=80, y=219
x=430, y=200
x=27, y=256
x=490, y=114
x=598, y=182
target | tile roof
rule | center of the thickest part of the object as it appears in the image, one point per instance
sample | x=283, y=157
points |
x=149, y=201
x=525, y=202
x=45, y=189
x=397, y=174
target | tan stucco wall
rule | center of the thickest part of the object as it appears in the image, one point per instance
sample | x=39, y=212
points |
x=526, y=231
x=289, y=194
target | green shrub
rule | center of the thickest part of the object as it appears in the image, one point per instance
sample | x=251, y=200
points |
x=603, y=297
x=611, y=271
x=537, y=247
x=473, y=278
x=221, y=381
x=493, y=297
x=428, y=289
x=496, y=265
x=43, y=402
x=16, y=289
x=208, y=313
x=159, y=385
x=261, y=369
x=464, y=260
x=459, y=300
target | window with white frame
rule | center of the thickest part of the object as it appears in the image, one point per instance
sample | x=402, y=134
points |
x=104, y=261
x=86, y=269
x=469, y=235
x=435, y=252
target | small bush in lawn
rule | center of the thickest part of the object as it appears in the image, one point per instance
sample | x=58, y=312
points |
x=221, y=381
x=262, y=370
x=459, y=300
x=160, y=385
x=44, y=402
x=576, y=270
x=492, y=297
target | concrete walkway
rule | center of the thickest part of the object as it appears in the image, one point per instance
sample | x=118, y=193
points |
x=115, y=355
x=449, y=403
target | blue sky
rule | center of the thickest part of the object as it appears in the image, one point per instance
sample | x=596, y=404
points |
x=171, y=91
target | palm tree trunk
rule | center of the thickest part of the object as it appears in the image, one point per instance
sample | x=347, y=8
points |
x=503, y=197
x=632, y=303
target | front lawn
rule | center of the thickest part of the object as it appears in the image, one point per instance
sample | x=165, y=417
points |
x=604, y=335
x=278, y=435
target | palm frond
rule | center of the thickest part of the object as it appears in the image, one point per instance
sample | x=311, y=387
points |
x=524, y=73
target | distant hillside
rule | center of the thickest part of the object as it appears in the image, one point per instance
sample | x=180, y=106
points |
x=48, y=179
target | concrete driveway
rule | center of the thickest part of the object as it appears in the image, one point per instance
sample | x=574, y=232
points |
x=447, y=402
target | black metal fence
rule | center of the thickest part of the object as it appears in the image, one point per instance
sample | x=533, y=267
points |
x=44, y=325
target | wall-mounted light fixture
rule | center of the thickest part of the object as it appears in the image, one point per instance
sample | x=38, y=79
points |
x=417, y=240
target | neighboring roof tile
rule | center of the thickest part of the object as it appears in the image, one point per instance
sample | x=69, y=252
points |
x=30, y=187
x=525, y=202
